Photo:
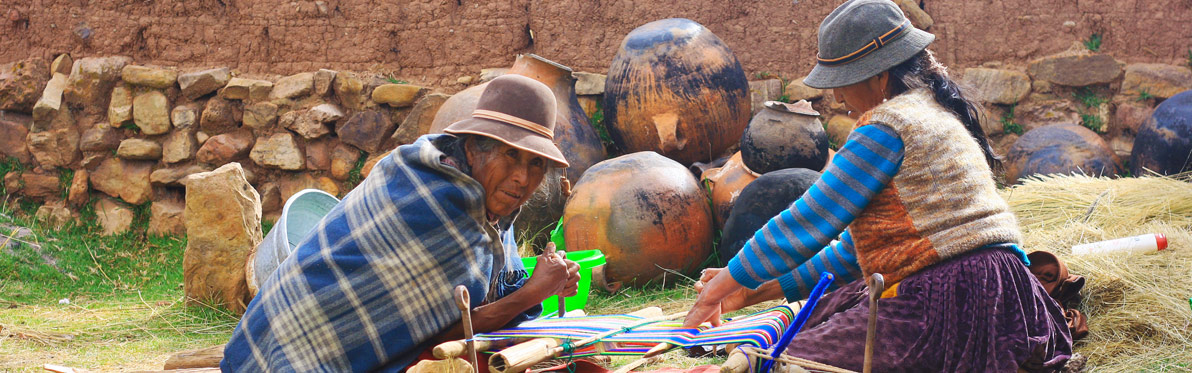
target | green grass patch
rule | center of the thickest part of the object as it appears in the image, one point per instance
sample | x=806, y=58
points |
x=1093, y=43
x=355, y=176
x=597, y=121
x=1144, y=96
x=1008, y=124
x=71, y=296
x=1091, y=101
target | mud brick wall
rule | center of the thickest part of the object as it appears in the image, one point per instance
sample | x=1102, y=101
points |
x=434, y=42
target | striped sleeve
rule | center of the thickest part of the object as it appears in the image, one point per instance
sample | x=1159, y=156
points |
x=864, y=165
x=839, y=257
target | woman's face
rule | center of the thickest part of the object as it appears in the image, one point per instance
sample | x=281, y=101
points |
x=509, y=176
x=864, y=95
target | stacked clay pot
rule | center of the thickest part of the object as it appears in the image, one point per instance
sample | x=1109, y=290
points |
x=573, y=134
x=676, y=89
x=761, y=200
x=783, y=136
x=645, y=212
x=724, y=184
x=1063, y=148
x=1164, y=142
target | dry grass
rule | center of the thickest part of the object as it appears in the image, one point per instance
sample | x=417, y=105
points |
x=1137, y=305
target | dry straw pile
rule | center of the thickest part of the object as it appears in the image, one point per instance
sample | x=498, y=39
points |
x=1137, y=305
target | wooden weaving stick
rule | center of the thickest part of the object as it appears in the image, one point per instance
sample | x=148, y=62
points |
x=462, y=300
x=877, y=284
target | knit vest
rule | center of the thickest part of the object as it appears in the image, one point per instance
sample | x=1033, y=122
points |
x=941, y=203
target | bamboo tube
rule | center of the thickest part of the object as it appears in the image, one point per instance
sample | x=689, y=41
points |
x=452, y=365
x=518, y=358
x=737, y=362
x=450, y=349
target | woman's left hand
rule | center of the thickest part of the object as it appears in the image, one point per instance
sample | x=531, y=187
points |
x=707, y=306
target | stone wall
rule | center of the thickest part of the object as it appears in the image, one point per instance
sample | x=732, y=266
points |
x=303, y=94
x=435, y=42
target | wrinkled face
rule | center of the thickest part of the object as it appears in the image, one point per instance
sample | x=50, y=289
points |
x=864, y=95
x=509, y=175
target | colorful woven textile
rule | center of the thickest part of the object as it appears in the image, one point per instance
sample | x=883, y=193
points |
x=760, y=329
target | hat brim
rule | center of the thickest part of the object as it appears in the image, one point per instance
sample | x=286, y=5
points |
x=510, y=135
x=882, y=59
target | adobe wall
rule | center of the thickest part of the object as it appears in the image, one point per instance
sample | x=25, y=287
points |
x=434, y=42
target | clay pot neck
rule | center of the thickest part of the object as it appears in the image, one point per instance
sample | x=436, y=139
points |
x=554, y=75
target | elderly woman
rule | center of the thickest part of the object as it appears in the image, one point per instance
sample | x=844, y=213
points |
x=912, y=196
x=372, y=286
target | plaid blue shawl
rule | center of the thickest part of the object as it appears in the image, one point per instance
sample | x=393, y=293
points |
x=373, y=283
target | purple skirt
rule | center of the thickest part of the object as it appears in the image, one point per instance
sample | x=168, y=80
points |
x=982, y=311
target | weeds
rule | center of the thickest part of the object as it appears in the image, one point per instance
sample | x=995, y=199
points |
x=1090, y=100
x=394, y=80
x=1093, y=43
x=597, y=120
x=1144, y=96
x=10, y=164
x=355, y=176
x=1189, y=58
x=1008, y=124
x=65, y=179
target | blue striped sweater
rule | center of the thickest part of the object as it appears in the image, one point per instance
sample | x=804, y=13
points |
x=793, y=246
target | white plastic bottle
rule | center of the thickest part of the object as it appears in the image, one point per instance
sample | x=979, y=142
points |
x=1137, y=244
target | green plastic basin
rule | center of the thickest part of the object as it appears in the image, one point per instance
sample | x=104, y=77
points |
x=587, y=260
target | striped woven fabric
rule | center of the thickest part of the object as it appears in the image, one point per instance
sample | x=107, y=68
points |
x=760, y=329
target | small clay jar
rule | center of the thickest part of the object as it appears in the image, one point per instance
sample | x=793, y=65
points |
x=784, y=135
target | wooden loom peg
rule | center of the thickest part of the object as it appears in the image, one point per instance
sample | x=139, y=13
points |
x=877, y=284
x=462, y=300
x=737, y=362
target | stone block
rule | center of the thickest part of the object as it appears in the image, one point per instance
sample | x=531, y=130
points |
x=179, y=146
x=589, y=83
x=114, y=217
x=100, y=139
x=323, y=80
x=92, y=78
x=420, y=118
x=304, y=123
x=160, y=78
x=54, y=148
x=151, y=112
x=175, y=176
x=796, y=90
x=293, y=86
x=260, y=116
x=200, y=83
x=246, y=89
x=78, y=193
x=14, y=130
x=224, y=148
x=1158, y=80
x=279, y=151
x=47, y=107
x=120, y=106
x=220, y=116
x=366, y=130
x=167, y=217
x=22, y=84
x=343, y=159
x=1005, y=87
x=139, y=150
x=1076, y=69
x=397, y=95
x=223, y=225
x=128, y=180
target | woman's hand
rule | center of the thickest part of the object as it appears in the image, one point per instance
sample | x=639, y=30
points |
x=713, y=293
x=735, y=301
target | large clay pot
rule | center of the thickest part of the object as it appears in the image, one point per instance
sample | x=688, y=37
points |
x=784, y=136
x=645, y=213
x=725, y=184
x=1063, y=148
x=676, y=89
x=573, y=134
x=761, y=200
x=1164, y=141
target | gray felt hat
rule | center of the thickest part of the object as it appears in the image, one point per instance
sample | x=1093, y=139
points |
x=862, y=38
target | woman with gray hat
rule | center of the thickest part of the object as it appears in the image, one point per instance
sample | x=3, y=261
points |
x=371, y=287
x=911, y=194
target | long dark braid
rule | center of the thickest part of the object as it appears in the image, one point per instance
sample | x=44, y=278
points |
x=923, y=70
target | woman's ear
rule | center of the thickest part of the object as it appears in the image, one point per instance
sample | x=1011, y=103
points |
x=881, y=83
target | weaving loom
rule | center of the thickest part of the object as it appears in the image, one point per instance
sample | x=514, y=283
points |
x=760, y=329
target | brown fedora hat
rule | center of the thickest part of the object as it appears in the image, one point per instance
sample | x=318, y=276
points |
x=518, y=111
